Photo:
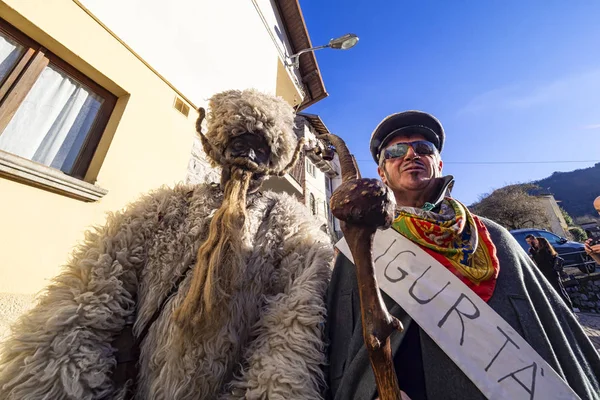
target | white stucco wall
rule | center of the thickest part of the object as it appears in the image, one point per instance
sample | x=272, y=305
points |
x=201, y=46
x=316, y=186
x=11, y=306
x=334, y=223
x=273, y=22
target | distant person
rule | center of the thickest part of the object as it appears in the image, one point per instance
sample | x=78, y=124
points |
x=592, y=245
x=549, y=263
x=533, y=244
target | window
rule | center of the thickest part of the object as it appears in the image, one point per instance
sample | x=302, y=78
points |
x=49, y=112
x=552, y=238
x=313, y=204
x=181, y=106
x=311, y=169
x=520, y=237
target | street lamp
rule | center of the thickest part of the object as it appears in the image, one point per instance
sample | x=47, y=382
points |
x=345, y=42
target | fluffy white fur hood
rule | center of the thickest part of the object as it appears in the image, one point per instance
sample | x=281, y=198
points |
x=271, y=346
x=234, y=112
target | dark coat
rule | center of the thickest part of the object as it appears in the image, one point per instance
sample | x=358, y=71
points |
x=522, y=297
x=546, y=262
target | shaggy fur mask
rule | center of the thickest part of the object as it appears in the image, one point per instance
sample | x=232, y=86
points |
x=234, y=112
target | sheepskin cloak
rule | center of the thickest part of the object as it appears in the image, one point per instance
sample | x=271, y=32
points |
x=270, y=345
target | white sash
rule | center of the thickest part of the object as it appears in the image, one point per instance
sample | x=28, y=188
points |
x=484, y=346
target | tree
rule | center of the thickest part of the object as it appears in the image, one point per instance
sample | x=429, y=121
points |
x=513, y=207
x=566, y=216
x=578, y=234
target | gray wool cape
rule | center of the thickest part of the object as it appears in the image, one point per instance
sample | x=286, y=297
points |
x=523, y=297
x=270, y=346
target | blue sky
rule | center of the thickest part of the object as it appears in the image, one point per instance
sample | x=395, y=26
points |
x=511, y=81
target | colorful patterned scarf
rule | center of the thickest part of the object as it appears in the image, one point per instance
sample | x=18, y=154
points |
x=455, y=238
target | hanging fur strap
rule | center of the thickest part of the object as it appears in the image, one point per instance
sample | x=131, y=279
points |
x=125, y=374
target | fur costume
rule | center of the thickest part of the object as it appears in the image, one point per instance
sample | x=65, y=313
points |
x=269, y=343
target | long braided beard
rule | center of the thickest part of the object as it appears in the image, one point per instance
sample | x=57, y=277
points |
x=219, y=262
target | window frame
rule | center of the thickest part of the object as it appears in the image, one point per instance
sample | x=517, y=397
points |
x=21, y=78
x=311, y=168
x=328, y=183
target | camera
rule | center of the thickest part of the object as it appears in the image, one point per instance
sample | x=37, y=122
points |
x=594, y=234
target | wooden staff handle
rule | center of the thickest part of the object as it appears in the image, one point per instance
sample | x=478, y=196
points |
x=363, y=206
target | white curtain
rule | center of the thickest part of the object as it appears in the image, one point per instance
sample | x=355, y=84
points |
x=52, y=122
x=10, y=53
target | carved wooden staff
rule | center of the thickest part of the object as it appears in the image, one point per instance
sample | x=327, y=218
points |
x=363, y=206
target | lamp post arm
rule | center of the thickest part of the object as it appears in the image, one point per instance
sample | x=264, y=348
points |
x=295, y=58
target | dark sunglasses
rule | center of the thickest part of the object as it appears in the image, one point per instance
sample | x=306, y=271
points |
x=399, y=150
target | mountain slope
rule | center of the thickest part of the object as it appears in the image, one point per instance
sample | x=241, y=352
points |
x=576, y=190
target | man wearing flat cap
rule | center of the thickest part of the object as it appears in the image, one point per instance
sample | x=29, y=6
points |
x=474, y=255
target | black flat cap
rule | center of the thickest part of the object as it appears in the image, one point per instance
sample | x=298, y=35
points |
x=407, y=122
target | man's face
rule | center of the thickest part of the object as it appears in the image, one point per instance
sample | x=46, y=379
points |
x=412, y=172
x=532, y=242
x=250, y=146
x=597, y=204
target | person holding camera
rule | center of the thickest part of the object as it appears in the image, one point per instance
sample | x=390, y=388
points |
x=592, y=245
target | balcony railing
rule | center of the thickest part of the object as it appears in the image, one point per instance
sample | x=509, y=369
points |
x=299, y=170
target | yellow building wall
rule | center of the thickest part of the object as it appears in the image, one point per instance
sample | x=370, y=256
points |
x=147, y=144
x=285, y=86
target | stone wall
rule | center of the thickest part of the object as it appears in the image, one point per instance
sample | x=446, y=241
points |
x=584, y=292
x=11, y=306
x=199, y=169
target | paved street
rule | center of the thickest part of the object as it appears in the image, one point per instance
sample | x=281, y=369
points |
x=591, y=325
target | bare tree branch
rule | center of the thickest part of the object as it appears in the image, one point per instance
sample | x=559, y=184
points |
x=513, y=207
